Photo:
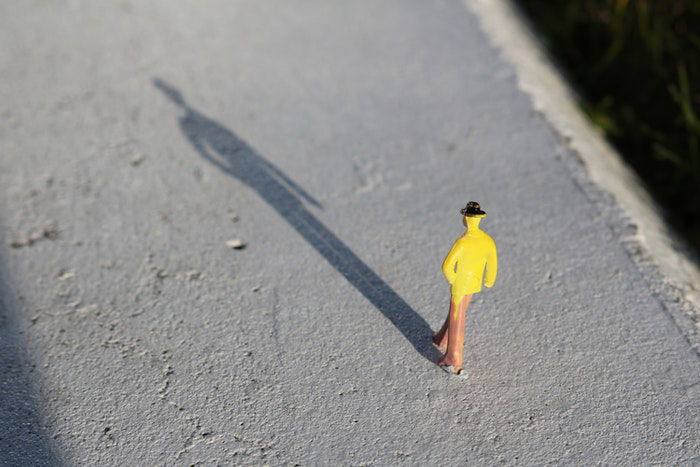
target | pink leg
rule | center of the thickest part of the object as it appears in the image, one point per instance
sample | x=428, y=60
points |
x=455, y=335
x=440, y=337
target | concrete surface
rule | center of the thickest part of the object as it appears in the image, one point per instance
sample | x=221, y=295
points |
x=652, y=244
x=338, y=141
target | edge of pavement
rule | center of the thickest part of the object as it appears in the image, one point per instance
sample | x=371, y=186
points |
x=668, y=264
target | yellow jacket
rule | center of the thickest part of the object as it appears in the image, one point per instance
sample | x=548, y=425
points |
x=464, y=265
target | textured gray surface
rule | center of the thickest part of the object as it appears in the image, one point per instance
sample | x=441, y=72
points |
x=345, y=137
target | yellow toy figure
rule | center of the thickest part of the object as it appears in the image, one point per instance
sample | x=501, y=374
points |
x=464, y=270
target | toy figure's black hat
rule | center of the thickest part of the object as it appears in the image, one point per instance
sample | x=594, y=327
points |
x=472, y=210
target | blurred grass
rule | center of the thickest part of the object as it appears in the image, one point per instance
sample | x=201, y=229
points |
x=636, y=65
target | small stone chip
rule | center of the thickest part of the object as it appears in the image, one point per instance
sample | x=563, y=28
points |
x=66, y=275
x=49, y=232
x=137, y=159
x=236, y=244
x=193, y=275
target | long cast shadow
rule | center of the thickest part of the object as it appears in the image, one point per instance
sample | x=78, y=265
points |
x=23, y=439
x=222, y=148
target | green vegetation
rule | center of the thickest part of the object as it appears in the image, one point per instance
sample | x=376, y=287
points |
x=636, y=65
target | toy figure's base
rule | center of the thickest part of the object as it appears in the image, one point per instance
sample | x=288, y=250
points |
x=451, y=370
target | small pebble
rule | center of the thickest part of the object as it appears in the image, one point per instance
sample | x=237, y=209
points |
x=137, y=159
x=236, y=244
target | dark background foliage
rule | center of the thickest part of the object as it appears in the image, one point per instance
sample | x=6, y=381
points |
x=636, y=65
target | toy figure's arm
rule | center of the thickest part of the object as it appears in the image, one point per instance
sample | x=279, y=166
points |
x=491, y=267
x=448, y=266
